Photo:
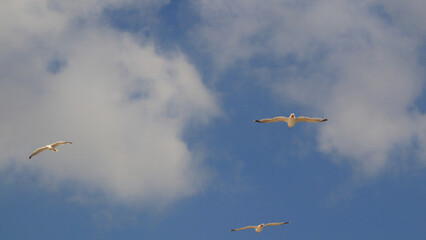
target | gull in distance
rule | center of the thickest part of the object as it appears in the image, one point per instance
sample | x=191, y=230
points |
x=259, y=228
x=292, y=120
x=51, y=147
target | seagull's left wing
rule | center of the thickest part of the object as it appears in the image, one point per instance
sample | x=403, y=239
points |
x=37, y=151
x=238, y=229
x=308, y=119
x=275, y=119
x=276, y=224
x=60, y=143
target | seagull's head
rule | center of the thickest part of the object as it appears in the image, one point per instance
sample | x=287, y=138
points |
x=261, y=225
x=292, y=115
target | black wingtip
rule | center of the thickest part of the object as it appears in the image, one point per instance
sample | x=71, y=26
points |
x=324, y=120
x=29, y=157
x=232, y=230
x=256, y=121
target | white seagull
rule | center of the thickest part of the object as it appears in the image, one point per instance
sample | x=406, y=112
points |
x=51, y=147
x=292, y=120
x=259, y=228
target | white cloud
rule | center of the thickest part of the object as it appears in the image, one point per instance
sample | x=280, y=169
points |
x=408, y=15
x=347, y=63
x=124, y=106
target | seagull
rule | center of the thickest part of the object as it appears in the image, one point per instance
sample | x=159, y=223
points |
x=259, y=228
x=51, y=147
x=292, y=120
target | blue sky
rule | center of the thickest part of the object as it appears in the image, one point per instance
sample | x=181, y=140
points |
x=159, y=99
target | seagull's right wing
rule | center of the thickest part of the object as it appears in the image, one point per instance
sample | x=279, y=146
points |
x=37, y=151
x=308, y=119
x=60, y=143
x=276, y=224
x=275, y=119
x=238, y=229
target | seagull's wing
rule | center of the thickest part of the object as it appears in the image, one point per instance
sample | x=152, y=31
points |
x=276, y=224
x=308, y=119
x=270, y=120
x=60, y=143
x=238, y=229
x=37, y=151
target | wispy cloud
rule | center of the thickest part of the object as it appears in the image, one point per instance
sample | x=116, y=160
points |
x=67, y=76
x=342, y=59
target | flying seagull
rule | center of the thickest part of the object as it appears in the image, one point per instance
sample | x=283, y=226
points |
x=259, y=228
x=292, y=120
x=51, y=147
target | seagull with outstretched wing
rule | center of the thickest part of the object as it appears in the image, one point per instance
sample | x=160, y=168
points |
x=259, y=228
x=51, y=147
x=292, y=120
